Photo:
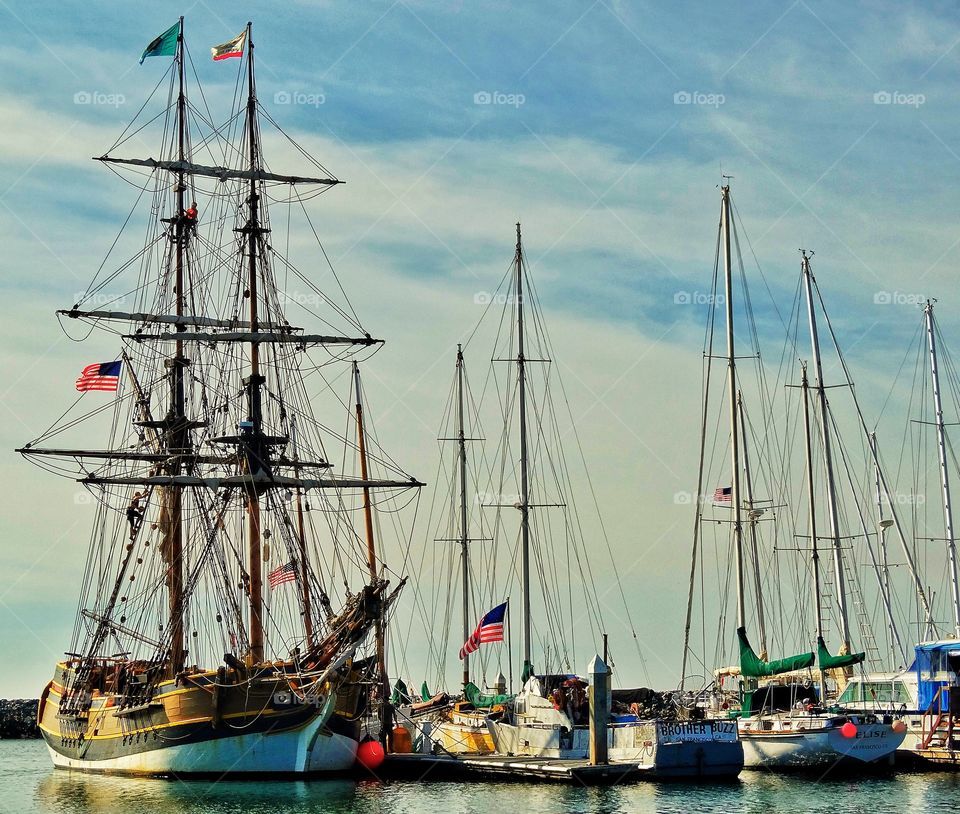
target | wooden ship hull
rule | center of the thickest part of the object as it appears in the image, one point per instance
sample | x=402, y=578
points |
x=205, y=724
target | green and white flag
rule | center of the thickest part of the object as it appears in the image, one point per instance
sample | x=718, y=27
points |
x=163, y=46
x=234, y=48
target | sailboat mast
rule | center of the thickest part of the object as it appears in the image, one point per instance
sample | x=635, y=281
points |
x=732, y=393
x=944, y=474
x=883, y=570
x=752, y=515
x=827, y=457
x=812, y=512
x=464, y=541
x=176, y=421
x=302, y=541
x=524, y=483
x=371, y=550
x=255, y=380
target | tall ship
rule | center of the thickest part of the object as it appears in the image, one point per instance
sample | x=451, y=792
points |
x=234, y=600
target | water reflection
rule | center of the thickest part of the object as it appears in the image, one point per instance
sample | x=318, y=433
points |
x=29, y=784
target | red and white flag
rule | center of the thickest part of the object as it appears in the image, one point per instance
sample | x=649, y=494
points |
x=234, y=48
x=490, y=629
x=281, y=574
x=100, y=376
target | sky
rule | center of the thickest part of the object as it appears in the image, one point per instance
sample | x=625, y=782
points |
x=604, y=126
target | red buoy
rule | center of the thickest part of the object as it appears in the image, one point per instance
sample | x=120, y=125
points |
x=848, y=730
x=370, y=755
x=899, y=727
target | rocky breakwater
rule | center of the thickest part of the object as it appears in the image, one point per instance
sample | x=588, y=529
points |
x=18, y=718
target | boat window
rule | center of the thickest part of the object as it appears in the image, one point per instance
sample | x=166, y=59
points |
x=878, y=691
x=900, y=693
x=850, y=694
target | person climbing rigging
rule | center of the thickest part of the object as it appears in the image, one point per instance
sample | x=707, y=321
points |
x=190, y=216
x=134, y=513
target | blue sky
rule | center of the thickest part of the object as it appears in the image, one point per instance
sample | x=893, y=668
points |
x=837, y=121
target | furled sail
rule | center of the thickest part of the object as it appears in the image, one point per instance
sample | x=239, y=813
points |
x=828, y=662
x=482, y=700
x=752, y=666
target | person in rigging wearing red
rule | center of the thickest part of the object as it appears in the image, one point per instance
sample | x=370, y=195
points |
x=190, y=216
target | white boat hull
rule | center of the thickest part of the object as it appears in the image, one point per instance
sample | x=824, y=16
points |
x=873, y=743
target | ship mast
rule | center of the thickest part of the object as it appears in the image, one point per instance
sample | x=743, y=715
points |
x=812, y=514
x=752, y=515
x=732, y=394
x=371, y=554
x=827, y=456
x=524, y=481
x=302, y=542
x=177, y=438
x=464, y=532
x=944, y=474
x=253, y=431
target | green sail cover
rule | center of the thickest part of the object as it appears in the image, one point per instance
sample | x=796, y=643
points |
x=400, y=693
x=828, y=662
x=752, y=666
x=425, y=692
x=481, y=701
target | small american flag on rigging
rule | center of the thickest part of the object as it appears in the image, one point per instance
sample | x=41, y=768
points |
x=723, y=494
x=490, y=629
x=100, y=376
x=281, y=574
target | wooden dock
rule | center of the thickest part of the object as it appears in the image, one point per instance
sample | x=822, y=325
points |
x=484, y=767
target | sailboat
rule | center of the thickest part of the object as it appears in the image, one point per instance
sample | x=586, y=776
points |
x=459, y=726
x=787, y=726
x=548, y=716
x=924, y=692
x=207, y=642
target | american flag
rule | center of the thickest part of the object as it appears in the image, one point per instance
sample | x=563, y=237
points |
x=100, y=376
x=490, y=629
x=281, y=574
x=723, y=494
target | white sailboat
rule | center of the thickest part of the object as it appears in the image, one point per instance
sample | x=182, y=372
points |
x=786, y=726
x=548, y=717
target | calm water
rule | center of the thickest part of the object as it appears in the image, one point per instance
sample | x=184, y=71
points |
x=28, y=784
